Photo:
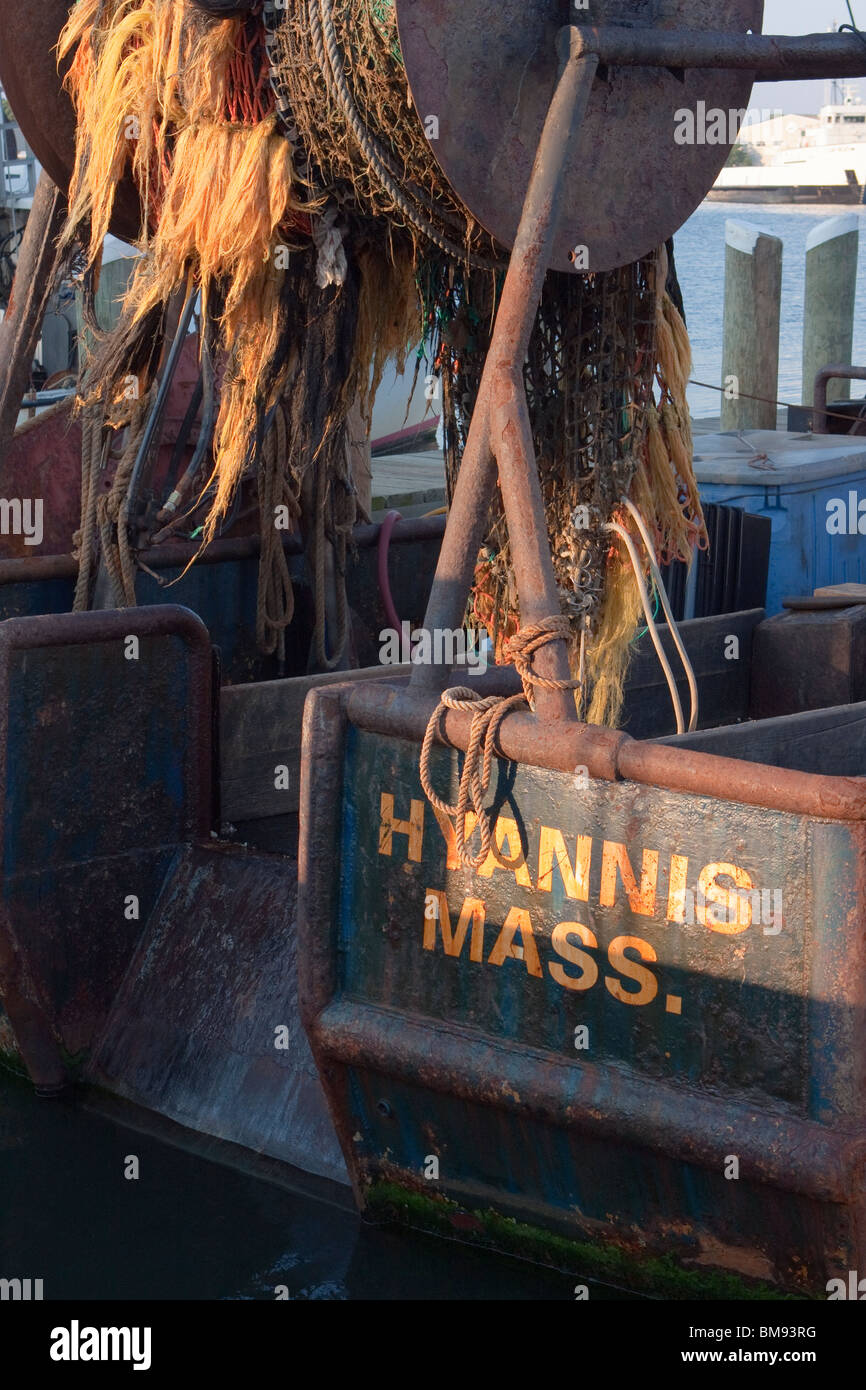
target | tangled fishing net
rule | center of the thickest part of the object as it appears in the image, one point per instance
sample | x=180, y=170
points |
x=284, y=175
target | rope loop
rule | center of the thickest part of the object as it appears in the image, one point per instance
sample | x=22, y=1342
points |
x=275, y=603
x=488, y=712
x=521, y=648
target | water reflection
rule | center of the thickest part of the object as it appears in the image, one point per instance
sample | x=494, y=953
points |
x=189, y=1228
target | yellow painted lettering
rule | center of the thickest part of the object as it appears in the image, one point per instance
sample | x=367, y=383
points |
x=615, y=858
x=506, y=948
x=472, y=911
x=446, y=825
x=649, y=987
x=506, y=832
x=389, y=826
x=677, y=889
x=561, y=945
x=552, y=849
x=734, y=905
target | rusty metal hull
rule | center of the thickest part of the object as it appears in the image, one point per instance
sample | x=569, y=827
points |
x=490, y=101
x=570, y=1042
x=96, y=789
x=134, y=951
x=194, y=1029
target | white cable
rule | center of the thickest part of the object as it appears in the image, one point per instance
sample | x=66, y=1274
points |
x=582, y=674
x=647, y=608
x=672, y=624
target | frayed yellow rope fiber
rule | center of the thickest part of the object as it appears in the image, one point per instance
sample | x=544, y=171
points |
x=665, y=491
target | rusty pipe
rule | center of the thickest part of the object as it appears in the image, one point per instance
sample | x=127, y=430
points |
x=527, y=530
x=464, y=535
x=511, y=430
x=835, y=372
x=772, y=57
x=500, y=424
x=33, y=569
x=612, y=756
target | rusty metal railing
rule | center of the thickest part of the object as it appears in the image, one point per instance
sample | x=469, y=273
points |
x=836, y=372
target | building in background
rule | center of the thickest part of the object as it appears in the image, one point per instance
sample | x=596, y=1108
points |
x=802, y=159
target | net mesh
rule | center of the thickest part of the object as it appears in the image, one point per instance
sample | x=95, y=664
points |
x=342, y=72
x=292, y=131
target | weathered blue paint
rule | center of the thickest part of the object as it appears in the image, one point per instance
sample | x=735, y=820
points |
x=742, y=1024
x=130, y=716
x=105, y=771
x=630, y=1139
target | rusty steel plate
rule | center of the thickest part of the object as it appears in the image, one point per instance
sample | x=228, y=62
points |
x=600, y=1090
x=43, y=110
x=488, y=72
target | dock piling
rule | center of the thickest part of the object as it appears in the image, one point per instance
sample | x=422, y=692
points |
x=750, y=353
x=831, y=287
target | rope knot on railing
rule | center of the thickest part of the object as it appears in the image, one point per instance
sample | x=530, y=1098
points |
x=521, y=648
x=488, y=712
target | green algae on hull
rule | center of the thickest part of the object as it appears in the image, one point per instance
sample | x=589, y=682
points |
x=652, y=1275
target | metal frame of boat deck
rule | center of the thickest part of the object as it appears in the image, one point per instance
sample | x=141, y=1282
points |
x=98, y=635
x=364, y=1034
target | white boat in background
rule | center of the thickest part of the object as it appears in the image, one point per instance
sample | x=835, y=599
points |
x=404, y=418
x=804, y=159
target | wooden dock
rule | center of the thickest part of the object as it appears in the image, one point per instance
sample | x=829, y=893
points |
x=414, y=482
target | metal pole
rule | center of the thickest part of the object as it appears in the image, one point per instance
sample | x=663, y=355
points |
x=31, y=288
x=464, y=536
x=500, y=423
x=771, y=57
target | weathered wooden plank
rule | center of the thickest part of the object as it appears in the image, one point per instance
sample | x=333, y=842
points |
x=722, y=666
x=260, y=734
x=828, y=741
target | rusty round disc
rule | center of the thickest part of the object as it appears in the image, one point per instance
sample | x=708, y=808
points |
x=487, y=73
x=28, y=72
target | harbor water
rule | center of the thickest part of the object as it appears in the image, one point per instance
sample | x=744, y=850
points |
x=700, y=256
x=189, y=1228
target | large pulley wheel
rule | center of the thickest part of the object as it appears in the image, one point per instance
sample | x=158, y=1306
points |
x=482, y=77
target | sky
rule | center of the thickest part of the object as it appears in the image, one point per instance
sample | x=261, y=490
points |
x=803, y=17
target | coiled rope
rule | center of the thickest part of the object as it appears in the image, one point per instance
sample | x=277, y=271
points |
x=330, y=59
x=275, y=607
x=107, y=514
x=488, y=713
